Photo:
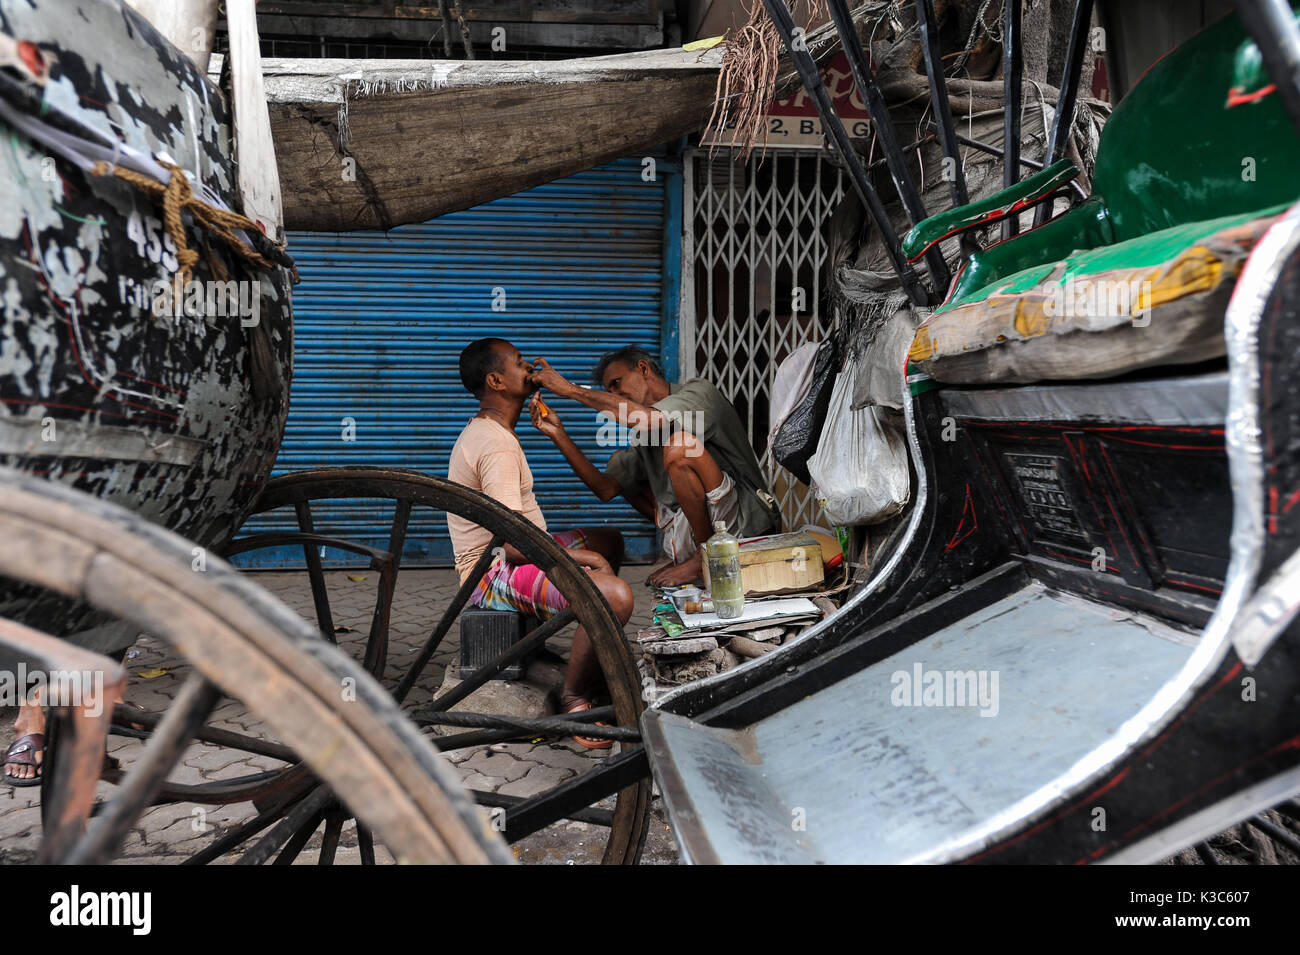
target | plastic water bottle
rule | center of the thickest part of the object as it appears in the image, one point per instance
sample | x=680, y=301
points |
x=722, y=551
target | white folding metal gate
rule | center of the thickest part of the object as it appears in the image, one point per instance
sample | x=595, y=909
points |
x=754, y=253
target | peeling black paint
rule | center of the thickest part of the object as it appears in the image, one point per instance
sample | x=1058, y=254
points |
x=79, y=259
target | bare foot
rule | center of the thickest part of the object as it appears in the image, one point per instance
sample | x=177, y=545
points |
x=670, y=575
x=28, y=754
x=573, y=703
x=654, y=575
x=30, y=722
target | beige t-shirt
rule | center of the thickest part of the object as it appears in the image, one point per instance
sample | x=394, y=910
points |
x=488, y=458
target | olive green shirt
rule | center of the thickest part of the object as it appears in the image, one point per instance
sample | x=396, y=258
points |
x=697, y=407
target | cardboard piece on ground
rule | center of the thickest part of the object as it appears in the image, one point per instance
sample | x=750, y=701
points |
x=778, y=563
x=754, y=610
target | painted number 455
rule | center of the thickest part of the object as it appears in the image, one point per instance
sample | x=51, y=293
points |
x=152, y=241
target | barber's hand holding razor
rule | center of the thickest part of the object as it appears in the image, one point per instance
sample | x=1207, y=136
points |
x=544, y=418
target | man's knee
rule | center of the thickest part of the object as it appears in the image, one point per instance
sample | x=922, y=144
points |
x=618, y=595
x=687, y=460
x=683, y=448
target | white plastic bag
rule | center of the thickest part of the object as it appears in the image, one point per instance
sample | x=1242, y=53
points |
x=790, y=385
x=860, y=471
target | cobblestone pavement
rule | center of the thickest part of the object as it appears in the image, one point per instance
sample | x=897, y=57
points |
x=171, y=833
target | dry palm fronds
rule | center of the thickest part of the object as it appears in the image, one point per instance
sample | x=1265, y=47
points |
x=747, y=80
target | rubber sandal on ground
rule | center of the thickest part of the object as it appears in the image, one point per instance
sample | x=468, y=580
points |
x=22, y=752
x=126, y=727
x=579, y=706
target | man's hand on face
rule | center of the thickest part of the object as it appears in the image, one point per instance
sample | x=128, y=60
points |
x=544, y=376
x=549, y=425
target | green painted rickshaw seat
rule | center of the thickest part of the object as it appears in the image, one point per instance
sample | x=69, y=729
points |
x=1156, y=299
x=1151, y=251
x=990, y=209
x=1174, y=153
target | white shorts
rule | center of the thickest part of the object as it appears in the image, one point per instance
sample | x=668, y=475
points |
x=679, y=541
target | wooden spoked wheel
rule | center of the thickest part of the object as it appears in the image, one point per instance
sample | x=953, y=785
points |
x=346, y=746
x=302, y=498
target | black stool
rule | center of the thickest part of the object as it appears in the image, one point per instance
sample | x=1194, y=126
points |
x=486, y=634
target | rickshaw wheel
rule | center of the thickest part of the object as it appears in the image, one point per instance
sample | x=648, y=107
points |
x=625, y=774
x=356, y=748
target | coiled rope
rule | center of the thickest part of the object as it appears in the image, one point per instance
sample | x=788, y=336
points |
x=176, y=195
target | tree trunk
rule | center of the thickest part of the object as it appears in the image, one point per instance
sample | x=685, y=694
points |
x=1041, y=20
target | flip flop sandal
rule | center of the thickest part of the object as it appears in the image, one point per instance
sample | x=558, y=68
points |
x=588, y=741
x=129, y=729
x=23, y=753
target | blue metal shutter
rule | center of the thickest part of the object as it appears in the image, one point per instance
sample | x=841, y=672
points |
x=380, y=320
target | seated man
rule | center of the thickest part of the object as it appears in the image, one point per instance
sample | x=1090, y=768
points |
x=487, y=457
x=690, y=463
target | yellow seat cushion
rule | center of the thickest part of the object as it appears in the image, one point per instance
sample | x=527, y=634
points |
x=1157, y=299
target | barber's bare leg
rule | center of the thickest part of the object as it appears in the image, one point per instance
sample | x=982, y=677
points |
x=693, y=474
